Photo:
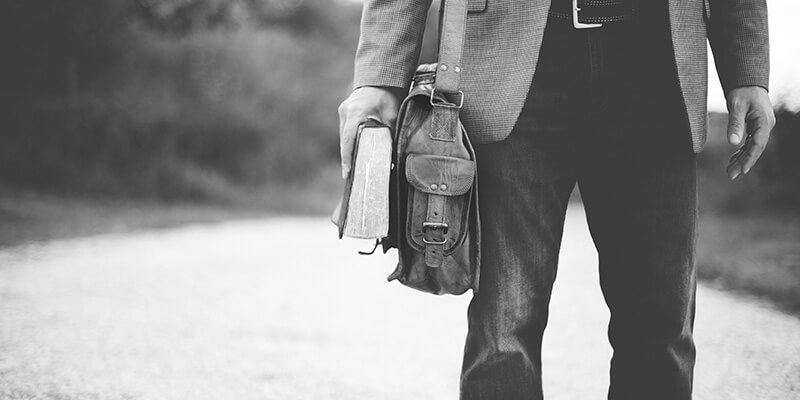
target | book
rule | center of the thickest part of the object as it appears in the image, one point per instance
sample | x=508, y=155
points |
x=363, y=212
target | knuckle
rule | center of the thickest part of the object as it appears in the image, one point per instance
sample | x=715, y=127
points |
x=736, y=104
x=736, y=125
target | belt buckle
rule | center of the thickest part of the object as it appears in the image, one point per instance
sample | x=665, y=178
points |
x=577, y=24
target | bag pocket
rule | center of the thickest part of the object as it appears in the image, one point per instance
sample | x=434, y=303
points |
x=439, y=196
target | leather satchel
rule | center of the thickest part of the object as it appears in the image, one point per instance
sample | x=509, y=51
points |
x=434, y=221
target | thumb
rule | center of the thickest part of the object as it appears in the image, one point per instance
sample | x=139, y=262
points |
x=347, y=142
x=736, y=125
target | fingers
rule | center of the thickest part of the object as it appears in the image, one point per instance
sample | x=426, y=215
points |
x=759, y=142
x=743, y=160
x=750, y=118
x=349, y=120
x=734, y=165
x=347, y=142
x=347, y=136
x=736, y=123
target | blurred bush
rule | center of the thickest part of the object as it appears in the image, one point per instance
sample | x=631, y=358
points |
x=172, y=99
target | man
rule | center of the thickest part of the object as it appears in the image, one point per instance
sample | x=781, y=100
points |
x=615, y=101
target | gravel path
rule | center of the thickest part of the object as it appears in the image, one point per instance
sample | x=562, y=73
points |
x=280, y=309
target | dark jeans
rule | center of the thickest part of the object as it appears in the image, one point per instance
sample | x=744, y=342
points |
x=604, y=112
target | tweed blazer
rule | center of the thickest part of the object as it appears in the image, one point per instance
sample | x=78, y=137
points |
x=503, y=38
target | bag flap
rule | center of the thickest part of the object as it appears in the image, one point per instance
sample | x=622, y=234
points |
x=445, y=176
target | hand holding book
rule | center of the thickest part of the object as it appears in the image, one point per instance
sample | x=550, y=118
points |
x=367, y=102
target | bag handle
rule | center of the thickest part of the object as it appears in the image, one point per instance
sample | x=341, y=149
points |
x=451, y=45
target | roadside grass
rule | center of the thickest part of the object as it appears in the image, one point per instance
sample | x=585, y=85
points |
x=29, y=216
x=755, y=254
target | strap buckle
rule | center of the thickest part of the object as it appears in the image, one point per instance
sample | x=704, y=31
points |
x=435, y=226
x=447, y=105
x=577, y=24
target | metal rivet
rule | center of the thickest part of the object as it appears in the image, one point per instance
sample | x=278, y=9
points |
x=443, y=187
x=457, y=69
x=434, y=186
x=443, y=67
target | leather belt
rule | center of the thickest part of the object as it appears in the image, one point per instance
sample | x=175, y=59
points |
x=593, y=13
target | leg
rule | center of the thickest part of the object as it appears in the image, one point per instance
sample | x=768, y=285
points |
x=637, y=180
x=525, y=183
x=640, y=197
x=524, y=188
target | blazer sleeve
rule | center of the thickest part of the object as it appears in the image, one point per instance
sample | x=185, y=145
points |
x=390, y=42
x=739, y=37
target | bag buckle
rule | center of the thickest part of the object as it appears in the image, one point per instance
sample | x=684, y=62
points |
x=577, y=24
x=447, y=105
x=434, y=226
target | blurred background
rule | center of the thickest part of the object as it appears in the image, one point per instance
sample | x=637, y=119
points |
x=127, y=114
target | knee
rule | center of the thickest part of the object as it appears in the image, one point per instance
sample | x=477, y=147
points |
x=509, y=326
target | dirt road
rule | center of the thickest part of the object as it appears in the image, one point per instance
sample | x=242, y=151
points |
x=281, y=309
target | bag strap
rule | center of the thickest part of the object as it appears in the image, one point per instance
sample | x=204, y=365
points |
x=445, y=125
x=451, y=45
